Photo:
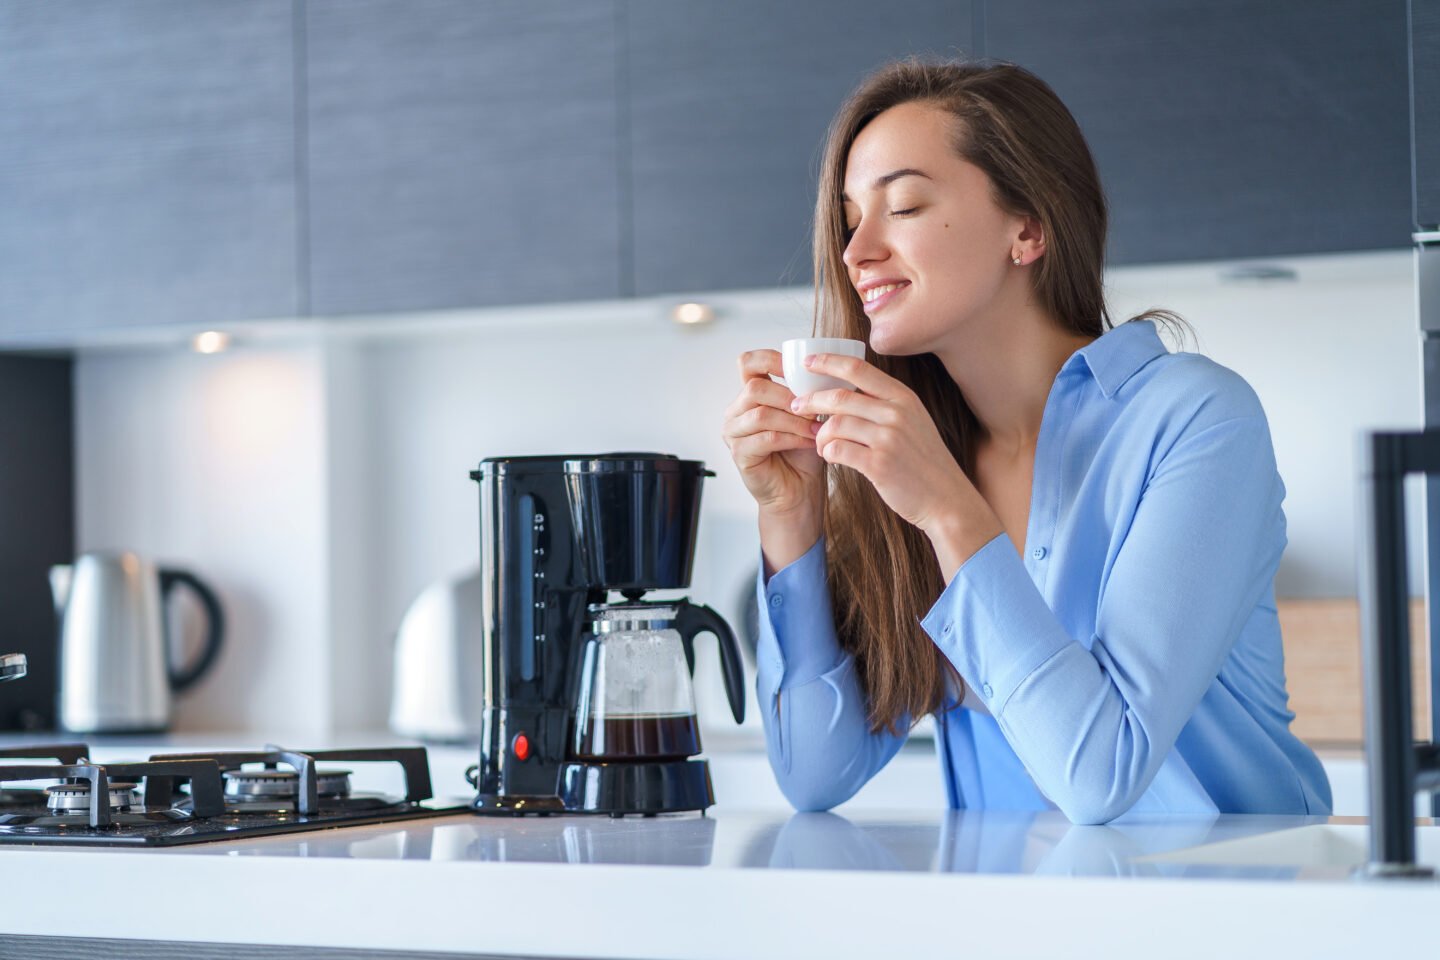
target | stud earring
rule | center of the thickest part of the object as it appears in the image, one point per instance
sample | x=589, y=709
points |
x=1016, y=261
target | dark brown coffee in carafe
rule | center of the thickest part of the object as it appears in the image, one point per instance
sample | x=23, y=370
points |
x=653, y=737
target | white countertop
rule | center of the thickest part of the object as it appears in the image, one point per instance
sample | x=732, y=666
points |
x=727, y=885
x=744, y=881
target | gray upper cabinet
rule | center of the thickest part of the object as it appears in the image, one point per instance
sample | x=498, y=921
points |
x=1425, y=86
x=179, y=161
x=460, y=154
x=729, y=101
x=1228, y=128
x=147, y=163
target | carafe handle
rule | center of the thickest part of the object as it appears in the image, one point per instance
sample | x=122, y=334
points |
x=214, y=634
x=693, y=618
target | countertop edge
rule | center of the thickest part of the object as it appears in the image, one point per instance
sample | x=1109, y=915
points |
x=684, y=912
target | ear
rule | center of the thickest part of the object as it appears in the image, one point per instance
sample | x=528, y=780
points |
x=1029, y=242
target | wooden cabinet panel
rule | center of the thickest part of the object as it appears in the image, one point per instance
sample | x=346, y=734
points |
x=147, y=163
x=1225, y=128
x=460, y=154
x=1324, y=675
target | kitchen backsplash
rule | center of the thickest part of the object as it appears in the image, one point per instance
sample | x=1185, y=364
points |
x=318, y=475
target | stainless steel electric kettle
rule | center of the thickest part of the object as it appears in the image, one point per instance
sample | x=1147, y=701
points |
x=116, y=674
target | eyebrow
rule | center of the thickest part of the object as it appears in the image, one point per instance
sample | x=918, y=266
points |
x=891, y=177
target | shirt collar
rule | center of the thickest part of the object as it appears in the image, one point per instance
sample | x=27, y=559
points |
x=1119, y=354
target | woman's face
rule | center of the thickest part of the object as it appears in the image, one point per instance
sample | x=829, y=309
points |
x=924, y=222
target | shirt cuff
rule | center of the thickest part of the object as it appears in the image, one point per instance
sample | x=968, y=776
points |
x=972, y=701
x=993, y=624
x=797, y=642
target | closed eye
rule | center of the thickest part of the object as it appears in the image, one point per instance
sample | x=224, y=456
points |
x=909, y=211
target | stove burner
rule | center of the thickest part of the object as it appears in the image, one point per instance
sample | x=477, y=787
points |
x=260, y=784
x=250, y=785
x=334, y=783
x=191, y=798
x=12, y=666
x=74, y=798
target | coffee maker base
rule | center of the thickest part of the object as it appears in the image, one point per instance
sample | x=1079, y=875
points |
x=497, y=805
x=617, y=789
x=636, y=788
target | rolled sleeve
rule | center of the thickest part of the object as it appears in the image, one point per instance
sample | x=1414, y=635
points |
x=993, y=596
x=820, y=745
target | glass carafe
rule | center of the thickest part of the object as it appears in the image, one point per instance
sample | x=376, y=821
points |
x=635, y=698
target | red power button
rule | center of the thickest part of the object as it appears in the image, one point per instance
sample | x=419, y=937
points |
x=521, y=746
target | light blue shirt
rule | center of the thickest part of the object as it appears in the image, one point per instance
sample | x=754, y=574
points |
x=1127, y=660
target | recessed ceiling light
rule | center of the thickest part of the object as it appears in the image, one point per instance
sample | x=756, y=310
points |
x=211, y=341
x=692, y=314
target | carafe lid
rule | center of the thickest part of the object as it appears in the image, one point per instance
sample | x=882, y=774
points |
x=621, y=617
x=623, y=462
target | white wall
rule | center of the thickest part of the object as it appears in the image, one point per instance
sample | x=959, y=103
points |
x=434, y=406
x=211, y=463
x=322, y=483
x=1331, y=355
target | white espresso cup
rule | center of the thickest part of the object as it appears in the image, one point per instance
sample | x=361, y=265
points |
x=799, y=378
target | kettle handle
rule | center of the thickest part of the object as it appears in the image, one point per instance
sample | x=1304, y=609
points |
x=693, y=618
x=214, y=635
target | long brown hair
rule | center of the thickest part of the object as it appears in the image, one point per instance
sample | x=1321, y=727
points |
x=882, y=571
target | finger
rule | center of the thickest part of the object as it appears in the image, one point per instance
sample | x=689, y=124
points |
x=762, y=392
x=760, y=419
x=846, y=453
x=867, y=377
x=749, y=450
x=831, y=402
x=852, y=429
x=758, y=390
x=759, y=363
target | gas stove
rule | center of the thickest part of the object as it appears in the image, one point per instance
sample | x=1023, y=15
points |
x=62, y=797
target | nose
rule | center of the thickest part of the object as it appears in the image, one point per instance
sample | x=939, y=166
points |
x=865, y=246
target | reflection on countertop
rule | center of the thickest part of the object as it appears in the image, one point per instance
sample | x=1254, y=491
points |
x=960, y=842
x=737, y=883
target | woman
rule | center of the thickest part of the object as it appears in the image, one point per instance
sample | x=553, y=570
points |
x=1057, y=538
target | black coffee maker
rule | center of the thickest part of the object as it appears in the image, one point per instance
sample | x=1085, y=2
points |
x=588, y=706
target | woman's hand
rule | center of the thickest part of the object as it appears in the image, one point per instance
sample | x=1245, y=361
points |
x=884, y=432
x=772, y=447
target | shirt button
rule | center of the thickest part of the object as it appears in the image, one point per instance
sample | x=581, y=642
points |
x=985, y=689
x=947, y=628
x=1038, y=553
x=777, y=600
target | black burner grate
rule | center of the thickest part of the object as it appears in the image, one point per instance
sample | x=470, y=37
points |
x=169, y=815
x=161, y=779
x=414, y=765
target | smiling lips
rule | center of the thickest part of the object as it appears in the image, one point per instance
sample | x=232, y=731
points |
x=879, y=294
